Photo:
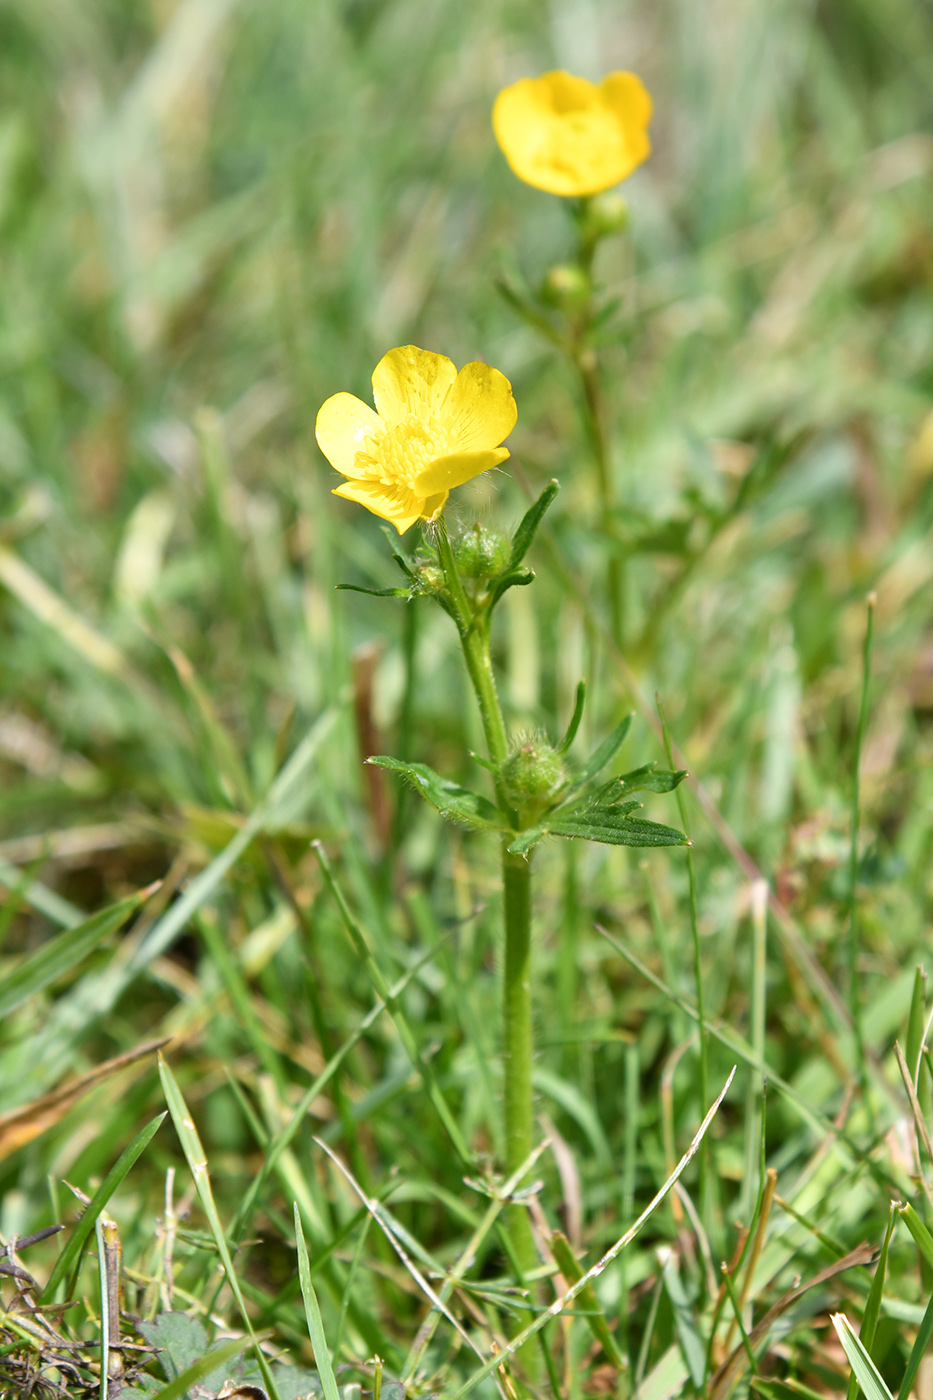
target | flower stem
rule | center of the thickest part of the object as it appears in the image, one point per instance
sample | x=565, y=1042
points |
x=473, y=627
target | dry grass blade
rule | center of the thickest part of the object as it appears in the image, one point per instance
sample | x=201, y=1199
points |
x=21, y=1125
x=917, y=1112
x=731, y=1370
x=377, y=1215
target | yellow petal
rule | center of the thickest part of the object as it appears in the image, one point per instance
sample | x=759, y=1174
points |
x=570, y=137
x=626, y=95
x=402, y=507
x=434, y=505
x=343, y=425
x=480, y=410
x=447, y=472
x=411, y=382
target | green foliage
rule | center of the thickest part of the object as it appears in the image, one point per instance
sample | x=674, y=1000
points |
x=214, y=215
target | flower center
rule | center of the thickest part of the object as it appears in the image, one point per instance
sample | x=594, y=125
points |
x=399, y=455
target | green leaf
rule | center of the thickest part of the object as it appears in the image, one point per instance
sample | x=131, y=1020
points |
x=650, y=778
x=219, y=1358
x=604, y=754
x=526, y=839
x=866, y=1372
x=515, y=578
x=313, y=1315
x=65, y=951
x=71, y=1254
x=624, y=831
x=374, y=592
x=575, y=719
x=521, y=540
x=455, y=803
x=400, y=558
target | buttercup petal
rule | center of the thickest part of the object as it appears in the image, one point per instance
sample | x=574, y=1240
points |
x=626, y=95
x=400, y=506
x=434, y=505
x=447, y=472
x=480, y=410
x=343, y=425
x=563, y=92
x=411, y=382
x=568, y=136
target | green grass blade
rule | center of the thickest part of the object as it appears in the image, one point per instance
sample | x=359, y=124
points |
x=865, y=1370
x=919, y=1231
x=873, y=1306
x=197, y=1162
x=313, y=1314
x=70, y=1256
x=65, y=951
x=517, y=1342
x=917, y=1352
x=40, y=897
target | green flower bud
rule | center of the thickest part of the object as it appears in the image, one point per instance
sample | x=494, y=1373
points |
x=481, y=553
x=533, y=774
x=428, y=578
x=604, y=215
x=566, y=286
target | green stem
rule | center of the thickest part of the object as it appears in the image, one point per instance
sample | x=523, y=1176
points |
x=518, y=1036
x=473, y=627
x=855, y=1005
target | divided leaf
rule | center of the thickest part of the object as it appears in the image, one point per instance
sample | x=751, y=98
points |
x=455, y=803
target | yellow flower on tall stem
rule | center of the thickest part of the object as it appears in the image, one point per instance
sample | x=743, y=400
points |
x=572, y=137
x=433, y=430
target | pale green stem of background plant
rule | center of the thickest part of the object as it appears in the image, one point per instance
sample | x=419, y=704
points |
x=473, y=628
x=585, y=361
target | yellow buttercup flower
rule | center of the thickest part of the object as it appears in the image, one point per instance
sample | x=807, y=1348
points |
x=433, y=430
x=572, y=137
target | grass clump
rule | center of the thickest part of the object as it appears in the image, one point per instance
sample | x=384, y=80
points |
x=213, y=217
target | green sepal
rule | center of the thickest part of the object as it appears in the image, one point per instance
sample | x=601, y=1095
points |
x=622, y=831
x=374, y=592
x=521, y=540
x=455, y=803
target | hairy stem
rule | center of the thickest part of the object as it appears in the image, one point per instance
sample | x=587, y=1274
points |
x=516, y=882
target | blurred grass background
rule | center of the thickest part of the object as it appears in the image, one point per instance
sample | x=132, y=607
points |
x=212, y=216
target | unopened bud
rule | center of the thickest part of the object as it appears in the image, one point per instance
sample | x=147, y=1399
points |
x=566, y=286
x=429, y=578
x=604, y=215
x=481, y=553
x=533, y=774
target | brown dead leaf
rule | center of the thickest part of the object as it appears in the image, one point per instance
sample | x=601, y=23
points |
x=732, y=1368
x=21, y=1125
